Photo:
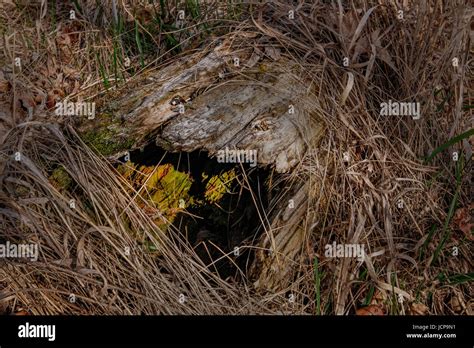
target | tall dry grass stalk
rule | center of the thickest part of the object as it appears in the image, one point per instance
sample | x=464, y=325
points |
x=406, y=59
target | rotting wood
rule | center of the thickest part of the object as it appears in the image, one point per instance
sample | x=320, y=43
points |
x=248, y=108
x=259, y=112
x=281, y=246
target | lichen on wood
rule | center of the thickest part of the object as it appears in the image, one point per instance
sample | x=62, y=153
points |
x=206, y=103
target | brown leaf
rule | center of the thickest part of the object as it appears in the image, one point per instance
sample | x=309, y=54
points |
x=54, y=96
x=51, y=100
x=27, y=100
x=4, y=86
x=370, y=310
x=38, y=99
x=418, y=309
x=464, y=222
x=456, y=304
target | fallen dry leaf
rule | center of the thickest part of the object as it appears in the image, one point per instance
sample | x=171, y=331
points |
x=4, y=84
x=464, y=222
x=26, y=100
x=370, y=310
x=455, y=304
x=418, y=309
x=54, y=96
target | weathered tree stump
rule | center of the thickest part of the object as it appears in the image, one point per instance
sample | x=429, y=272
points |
x=225, y=98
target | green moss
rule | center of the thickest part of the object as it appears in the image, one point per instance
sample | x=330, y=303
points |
x=60, y=178
x=106, y=140
x=262, y=68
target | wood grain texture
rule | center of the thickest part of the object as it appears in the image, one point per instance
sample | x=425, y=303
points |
x=245, y=108
x=248, y=109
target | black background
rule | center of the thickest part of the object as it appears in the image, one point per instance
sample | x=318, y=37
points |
x=242, y=330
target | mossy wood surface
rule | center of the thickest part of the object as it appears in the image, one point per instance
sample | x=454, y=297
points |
x=206, y=102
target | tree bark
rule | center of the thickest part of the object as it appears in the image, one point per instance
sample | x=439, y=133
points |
x=208, y=102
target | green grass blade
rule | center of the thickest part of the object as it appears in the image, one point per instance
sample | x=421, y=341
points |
x=427, y=241
x=77, y=6
x=317, y=285
x=369, y=296
x=452, y=208
x=449, y=143
x=455, y=279
x=103, y=73
x=139, y=44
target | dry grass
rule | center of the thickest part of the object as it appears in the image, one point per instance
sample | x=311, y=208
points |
x=357, y=201
x=82, y=250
